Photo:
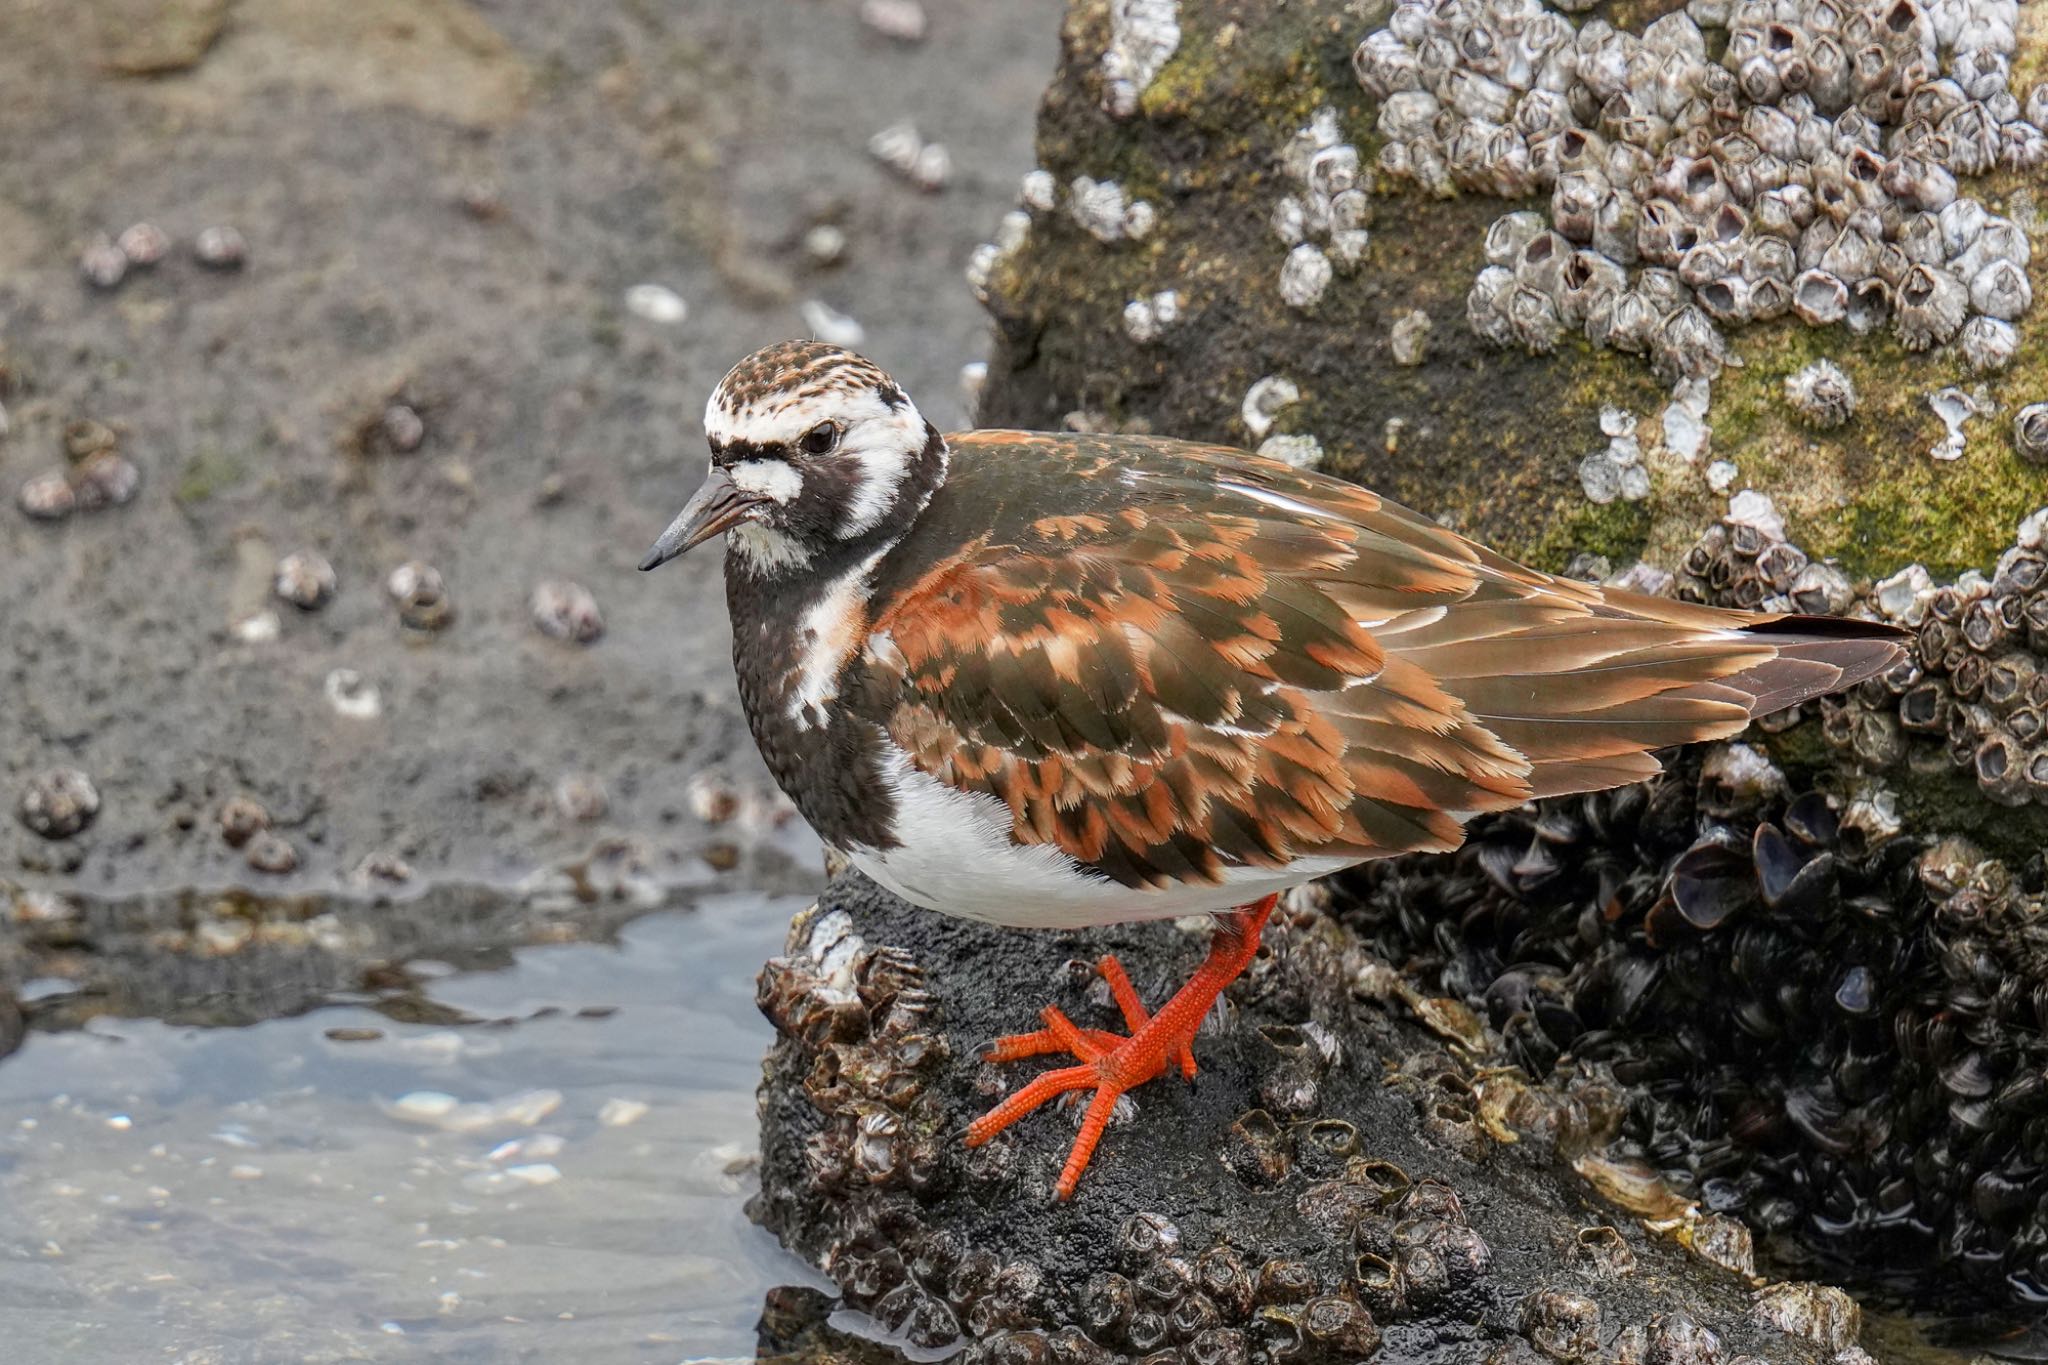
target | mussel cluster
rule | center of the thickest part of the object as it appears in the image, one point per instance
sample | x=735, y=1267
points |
x=1737, y=160
x=1819, y=1024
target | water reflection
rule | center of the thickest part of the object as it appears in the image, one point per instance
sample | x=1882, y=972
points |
x=546, y=1161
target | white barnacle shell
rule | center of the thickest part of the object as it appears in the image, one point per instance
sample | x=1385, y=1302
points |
x=1139, y=219
x=1583, y=283
x=1932, y=304
x=1486, y=304
x=1289, y=219
x=1961, y=224
x=1820, y=298
x=1349, y=209
x=1348, y=247
x=1509, y=234
x=2001, y=290
x=1615, y=227
x=1822, y=394
x=1575, y=203
x=1408, y=114
x=1479, y=97
x=1038, y=190
x=1533, y=320
x=1300, y=450
x=1143, y=35
x=1263, y=402
x=1676, y=34
x=1304, y=276
x=1988, y=344
x=1539, y=261
x=1726, y=299
x=1384, y=65
x=1635, y=321
x=1098, y=206
x=1689, y=345
x=1542, y=113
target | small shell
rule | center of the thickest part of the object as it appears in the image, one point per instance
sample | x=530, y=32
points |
x=2001, y=290
x=2030, y=433
x=305, y=579
x=1409, y=338
x=1988, y=344
x=1304, y=276
x=1932, y=304
x=220, y=248
x=1822, y=394
x=103, y=264
x=144, y=244
x=59, y=802
x=562, y=610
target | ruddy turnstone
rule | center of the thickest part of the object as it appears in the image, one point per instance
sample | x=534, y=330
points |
x=1052, y=681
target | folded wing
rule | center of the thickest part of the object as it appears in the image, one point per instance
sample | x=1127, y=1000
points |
x=1237, y=664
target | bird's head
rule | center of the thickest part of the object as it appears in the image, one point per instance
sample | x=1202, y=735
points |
x=814, y=449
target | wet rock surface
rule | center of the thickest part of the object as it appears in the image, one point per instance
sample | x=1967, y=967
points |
x=367, y=274
x=1335, y=1185
x=221, y=958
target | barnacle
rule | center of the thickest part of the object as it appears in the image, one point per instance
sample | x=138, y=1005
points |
x=1843, y=128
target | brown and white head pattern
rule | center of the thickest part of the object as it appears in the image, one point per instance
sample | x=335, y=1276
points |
x=826, y=448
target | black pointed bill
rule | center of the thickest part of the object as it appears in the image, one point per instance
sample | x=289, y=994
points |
x=715, y=507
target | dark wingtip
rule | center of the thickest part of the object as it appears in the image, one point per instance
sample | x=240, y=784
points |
x=1829, y=627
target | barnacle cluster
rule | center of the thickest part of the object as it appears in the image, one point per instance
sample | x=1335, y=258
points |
x=1322, y=217
x=1973, y=694
x=1827, y=1027
x=1283, y=1234
x=1103, y=209
x=96, y=476
x=1143, y=35
x=1737, y=160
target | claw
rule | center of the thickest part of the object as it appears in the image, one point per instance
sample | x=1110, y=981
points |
x=1110, y=1064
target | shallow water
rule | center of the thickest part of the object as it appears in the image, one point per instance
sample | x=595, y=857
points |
x=299, y=1190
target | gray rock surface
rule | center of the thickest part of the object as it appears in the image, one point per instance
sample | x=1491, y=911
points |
x=443, y=207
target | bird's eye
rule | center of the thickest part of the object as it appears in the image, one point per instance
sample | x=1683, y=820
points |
x=820, y=439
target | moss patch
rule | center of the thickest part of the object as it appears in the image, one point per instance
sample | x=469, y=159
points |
x=206, y=472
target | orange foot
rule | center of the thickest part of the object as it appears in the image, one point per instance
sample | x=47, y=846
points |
x=1111, y=1063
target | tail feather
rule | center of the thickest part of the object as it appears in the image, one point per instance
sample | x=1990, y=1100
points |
x=1589, y=708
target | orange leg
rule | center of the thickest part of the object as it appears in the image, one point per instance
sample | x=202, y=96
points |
x=1111, y=1064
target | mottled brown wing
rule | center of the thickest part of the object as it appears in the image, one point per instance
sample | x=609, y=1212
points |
x=1234, y=663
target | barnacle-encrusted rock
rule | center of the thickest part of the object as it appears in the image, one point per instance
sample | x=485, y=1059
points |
x=1816, y=221
x=1298, y=1204
x=1720, y=237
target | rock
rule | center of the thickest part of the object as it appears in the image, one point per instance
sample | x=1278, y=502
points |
x=1669, y=965
x=220, y=247
x=1491, y=437
x=157, y=39
x=562, y=610
x=1328, y=1186
x=59, y=802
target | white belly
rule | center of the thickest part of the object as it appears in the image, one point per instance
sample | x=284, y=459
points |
x=956, y=856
